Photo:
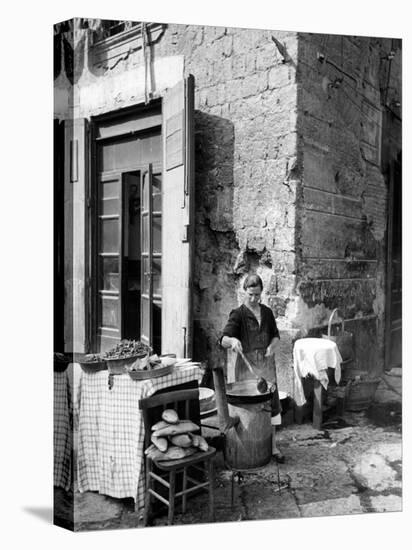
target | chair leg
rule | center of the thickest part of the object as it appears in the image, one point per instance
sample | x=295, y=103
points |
x=148, y=496
x=184, y=489
x=211, y=491
x=172, y=489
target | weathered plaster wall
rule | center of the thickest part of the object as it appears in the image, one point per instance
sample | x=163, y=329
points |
x=245, y=126
x=288, y=168
x=340, y=238
x=245, y=102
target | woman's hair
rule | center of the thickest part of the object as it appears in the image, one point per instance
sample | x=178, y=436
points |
x=252, y=281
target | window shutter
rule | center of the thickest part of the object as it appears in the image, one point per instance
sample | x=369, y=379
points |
x=58, y=236
x=75, y=234
x=178, y=208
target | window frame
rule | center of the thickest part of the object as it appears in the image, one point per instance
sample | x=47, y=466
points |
x=121, y=125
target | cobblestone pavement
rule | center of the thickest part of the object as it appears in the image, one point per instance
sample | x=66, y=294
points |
x=352, y=466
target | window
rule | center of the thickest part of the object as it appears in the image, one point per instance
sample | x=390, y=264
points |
x=140, y=226
x=129, y=239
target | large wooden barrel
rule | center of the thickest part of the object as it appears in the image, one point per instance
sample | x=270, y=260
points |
x=249, y=443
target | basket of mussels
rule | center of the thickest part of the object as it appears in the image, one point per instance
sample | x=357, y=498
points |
x=126, y=355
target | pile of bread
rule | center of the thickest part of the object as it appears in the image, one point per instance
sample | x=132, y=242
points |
x=173, y=438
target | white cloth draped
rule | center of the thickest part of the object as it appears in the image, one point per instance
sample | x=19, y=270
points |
x=313, y=356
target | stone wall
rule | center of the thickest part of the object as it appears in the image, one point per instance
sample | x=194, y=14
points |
x=343, y=194
x=288, y=167
x=245, y=100
x=245, y=128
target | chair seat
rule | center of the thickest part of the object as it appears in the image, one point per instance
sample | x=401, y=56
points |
x=199, y=456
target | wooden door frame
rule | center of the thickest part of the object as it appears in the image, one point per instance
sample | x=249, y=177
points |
x=140, y=110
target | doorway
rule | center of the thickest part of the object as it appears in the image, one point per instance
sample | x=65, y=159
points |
x=131, y=256
x=128, y=239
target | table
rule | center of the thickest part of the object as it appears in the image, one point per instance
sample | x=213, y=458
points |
x=313, y=356
x=62, y=431
x=111, y=431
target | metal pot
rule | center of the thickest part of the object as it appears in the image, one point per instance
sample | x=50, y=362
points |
x=245, y=391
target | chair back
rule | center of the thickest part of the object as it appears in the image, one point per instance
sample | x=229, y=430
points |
x=184, y=402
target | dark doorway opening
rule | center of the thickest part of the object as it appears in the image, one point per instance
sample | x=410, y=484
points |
x=131, y=256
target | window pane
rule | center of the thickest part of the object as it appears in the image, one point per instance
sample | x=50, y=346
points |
x=146, y=273
x=145, y=233
x=157, y=192
x=109, y=274
x=145, y=193
x=151, y=148
x=110, y=189
x=109, y=235
x=156, y=270
x=109, y=206
x=157, y=234
x=110, y=311
x=118, y=155
x=145, y=325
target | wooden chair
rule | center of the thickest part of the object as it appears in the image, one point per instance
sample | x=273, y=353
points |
x=186, y=404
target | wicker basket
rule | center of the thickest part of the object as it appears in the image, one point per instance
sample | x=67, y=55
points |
x=360, y=393
x=350, y=371
x=151, y=373
x=343, y=339
x=90, y=367
x=122, y=365
x=90, y=362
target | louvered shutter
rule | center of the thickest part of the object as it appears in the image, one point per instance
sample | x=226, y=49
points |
x=75, y=210
x=178, y=207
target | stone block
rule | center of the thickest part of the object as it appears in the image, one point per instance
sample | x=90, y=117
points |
x=266, y=57
x=233, y=90
x=92, y=507
x=353, y=297
x=318, y=170
x=337, y=269
x=332, y=507
x=255, y=84
x=281, y=76
x=385, y=503
x=373, y=472
x=326, y=236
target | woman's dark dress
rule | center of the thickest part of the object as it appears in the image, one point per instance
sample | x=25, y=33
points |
x=243, y=325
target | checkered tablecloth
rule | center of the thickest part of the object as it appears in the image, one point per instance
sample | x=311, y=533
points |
x=62, y=431
x=111, y=431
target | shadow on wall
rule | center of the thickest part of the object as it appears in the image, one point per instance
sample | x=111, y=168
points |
x=216, y=247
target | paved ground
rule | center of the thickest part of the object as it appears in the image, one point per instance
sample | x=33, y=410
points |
x=353, y=465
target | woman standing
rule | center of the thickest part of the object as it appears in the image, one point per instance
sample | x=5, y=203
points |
x=251, y=328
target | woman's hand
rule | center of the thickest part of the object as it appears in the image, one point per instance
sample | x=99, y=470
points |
x=270, y=350
x=235, y=345
x=231, y=342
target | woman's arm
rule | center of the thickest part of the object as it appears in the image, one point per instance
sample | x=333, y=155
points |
x=231, y=333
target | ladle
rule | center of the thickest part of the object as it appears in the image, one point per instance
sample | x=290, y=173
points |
x=261, y=385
